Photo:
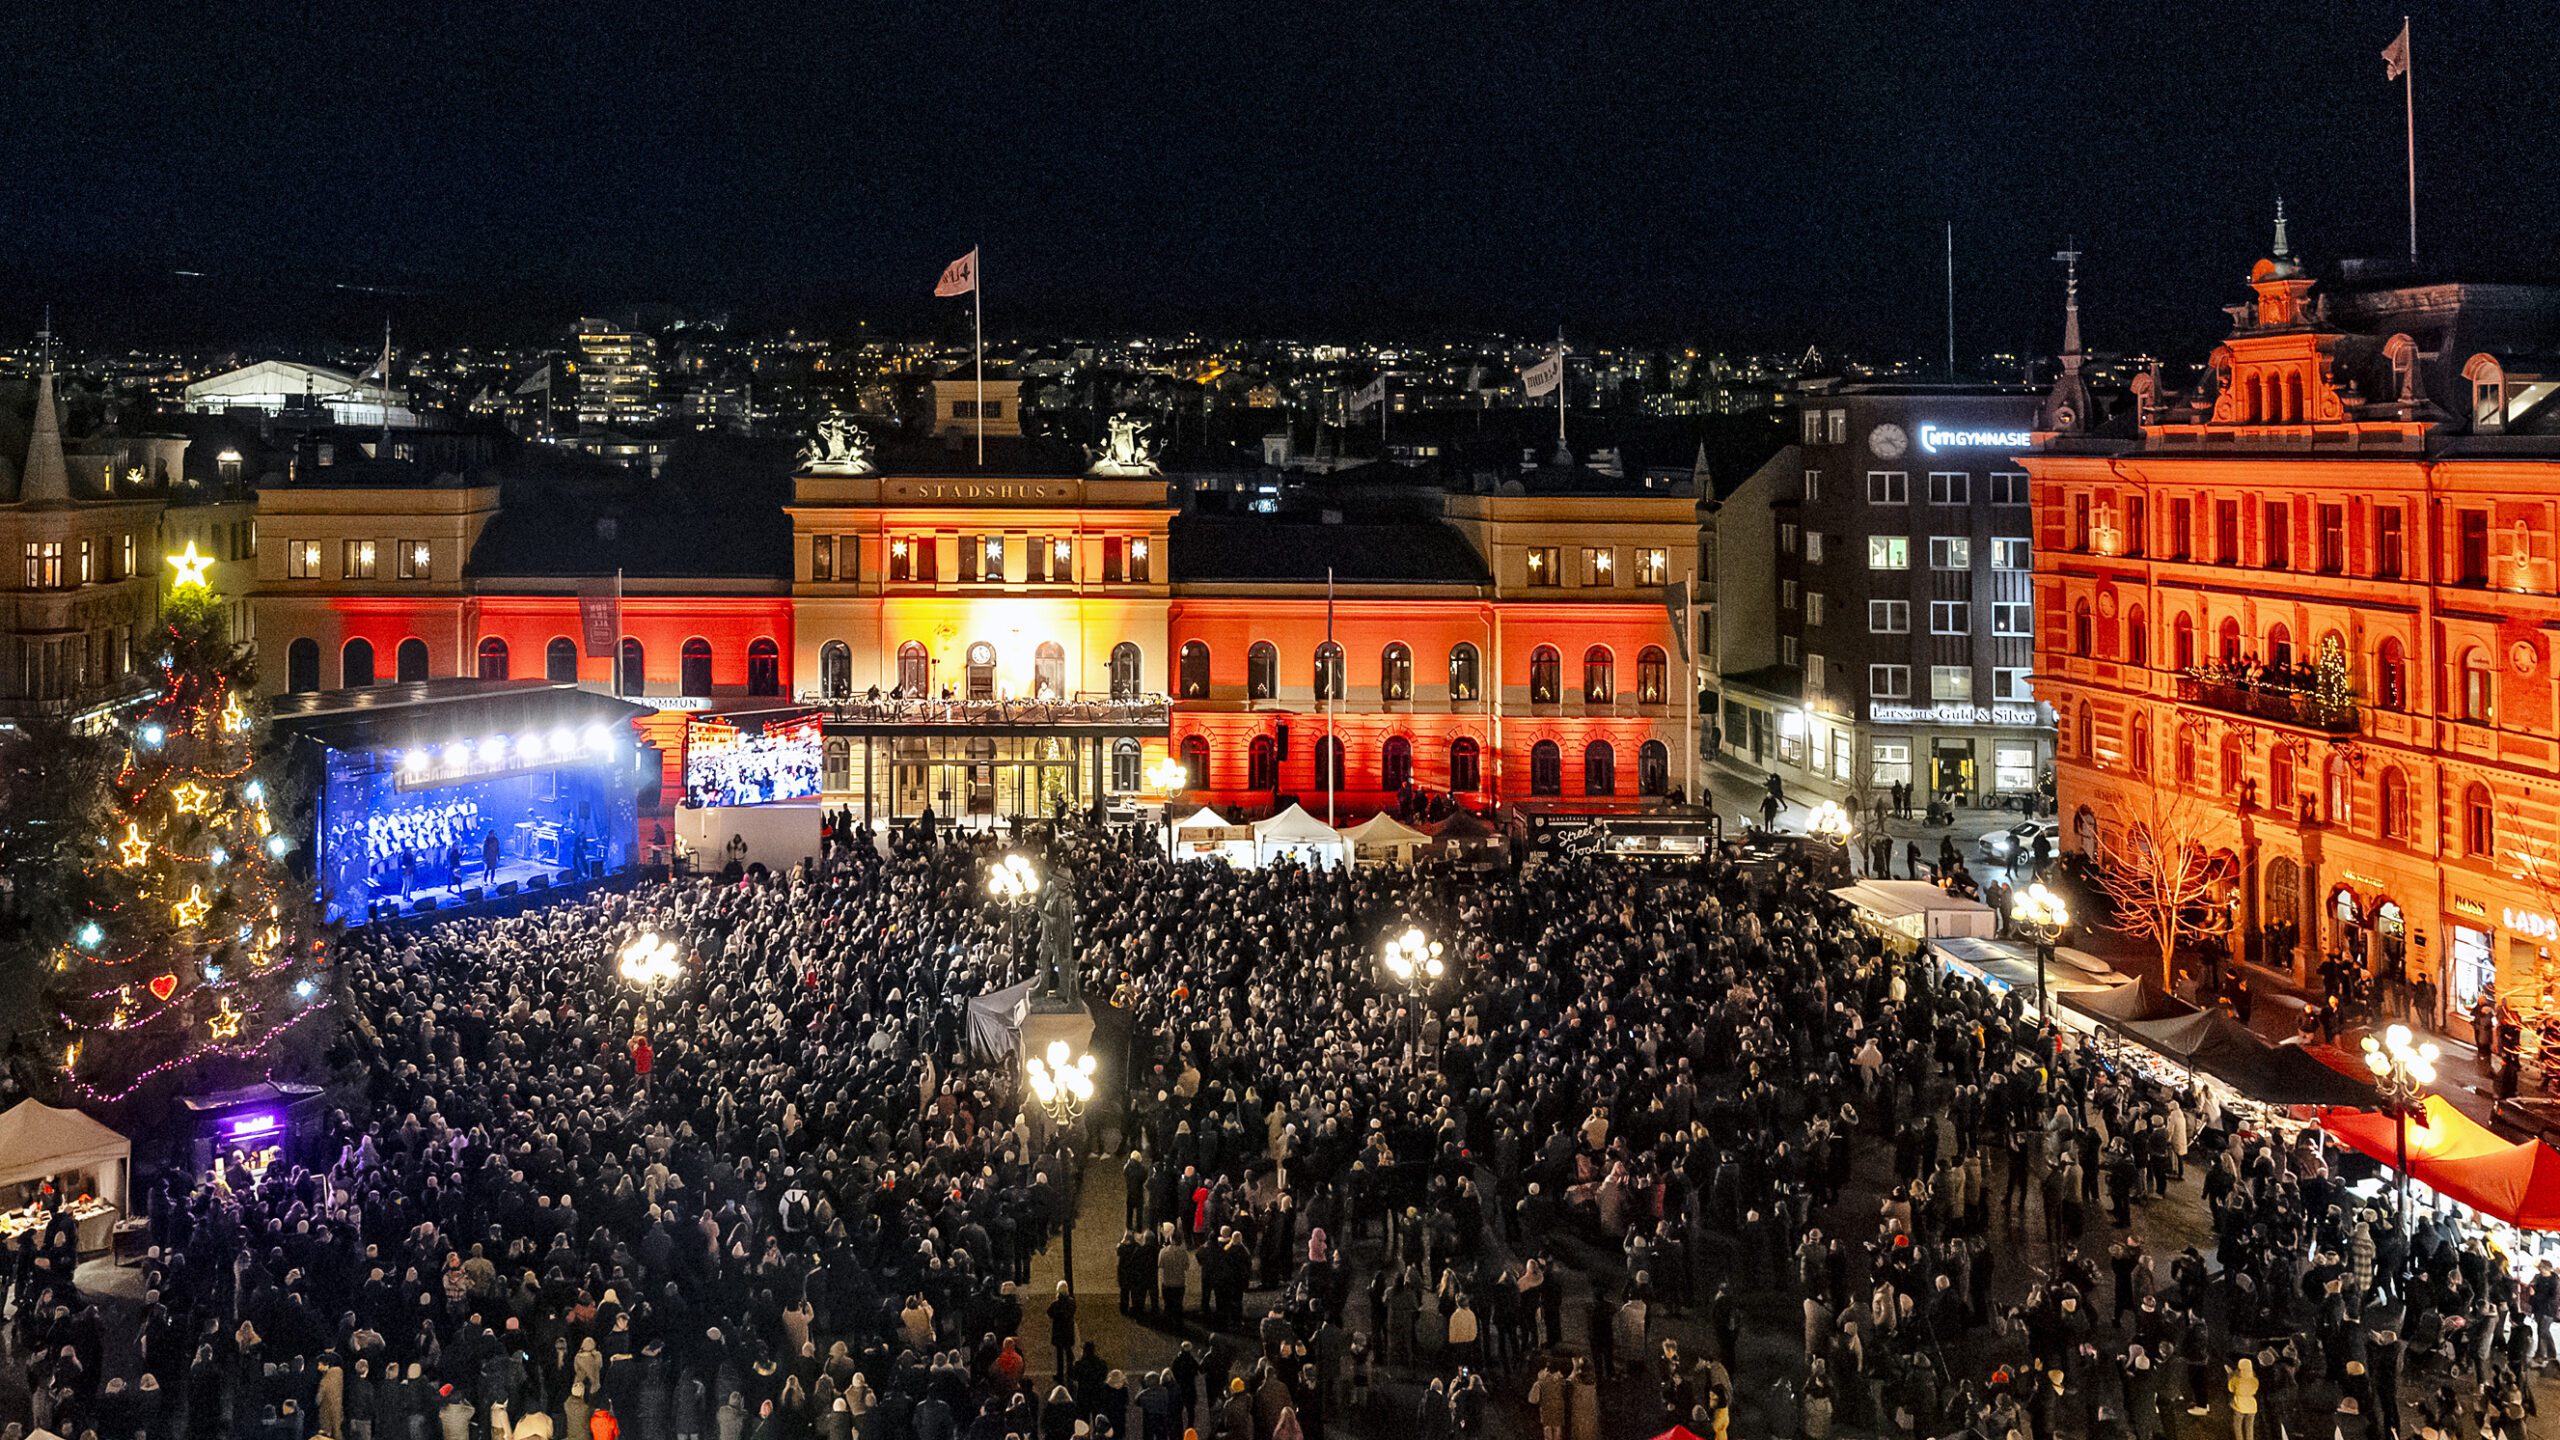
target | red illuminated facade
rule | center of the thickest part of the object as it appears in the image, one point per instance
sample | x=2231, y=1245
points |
x=2313, y=606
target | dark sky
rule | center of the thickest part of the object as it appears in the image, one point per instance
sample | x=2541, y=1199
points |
x=1735, y=173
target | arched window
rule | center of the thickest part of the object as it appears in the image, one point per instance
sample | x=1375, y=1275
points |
x=1127, y=764
x=1653, y=676
x=2395, y=804
x=2341, y=793
x=2229, y=648
x=1653, y=768
x=2479, y=827
x=2284, y=891
x=1395, y=673
x=915, y=671
x=2279, y=647
x=2186, y=759
x=1546, y=675
x=835, y=668
x=634, y=679
x=560, y=660
x=981, y=673
x=1049, y=671
x=2137, y=637
x=1195, y=762
x=2479, y=698
x=2227, y=770
x=1599, y=769
x=1195, y=670
x=1262, y=763
x=2084, y=733
x=836, y=773
x=2391, y=675
x=764, y=667
x=355, y=663
x=1463, y=676
x=2083, y=630
x=2140, y=744
x=409, y=662
x=2182, y=643
x=2280, y=782
x=493, y=658
x=1262, y=671
x=1466, y=766
x=1128, y=676
x=1395, y=763
x=1329, y=771
x=693, y=676
x=1328, y=678
x=1546, y=769
x=1599, y=676
x=302, y=666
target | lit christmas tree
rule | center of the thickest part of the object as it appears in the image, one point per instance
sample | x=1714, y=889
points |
x=194, y=943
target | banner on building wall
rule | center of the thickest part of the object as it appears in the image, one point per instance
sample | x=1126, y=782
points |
x=600, y=615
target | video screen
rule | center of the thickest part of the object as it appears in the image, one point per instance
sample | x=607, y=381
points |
x=725, y=764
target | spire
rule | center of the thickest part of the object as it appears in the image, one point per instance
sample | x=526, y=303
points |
x=2070, y=258
x=2284, y=249
x=45, y=480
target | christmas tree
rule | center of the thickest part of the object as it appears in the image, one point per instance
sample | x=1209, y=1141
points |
x=192, y=943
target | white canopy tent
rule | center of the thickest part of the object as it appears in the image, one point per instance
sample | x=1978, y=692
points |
x=1204, y=834
x=1916, y=910
x=1295, y=834
x=1383, y=839
x=37, y=1140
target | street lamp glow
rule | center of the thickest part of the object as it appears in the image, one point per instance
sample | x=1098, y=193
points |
x=2395, y=1052
x=1414, y=959
x=1062, y=1082
x=649, y=962
x=1168, y=774
x=1013, y=878
x=1829, y=822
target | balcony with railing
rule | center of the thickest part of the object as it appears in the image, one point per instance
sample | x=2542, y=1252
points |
x=2285, y=697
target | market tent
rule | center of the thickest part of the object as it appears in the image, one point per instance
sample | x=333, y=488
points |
x=1468, y=837
x=1919, y=909
x=2521, y=1186
x=1382, y=837
x=2445, y=1134
x=2125, y=1004
x=1204, y=834
x=1295, y=834
x=37, y=1140
x=2292, y=1075
x=1203, y=818
x=1677, y=1432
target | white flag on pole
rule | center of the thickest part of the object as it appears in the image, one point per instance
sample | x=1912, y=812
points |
x=380, y=374
x=1543, y=377
x=960, y=277
x=1369, y=396
x=2395, y=56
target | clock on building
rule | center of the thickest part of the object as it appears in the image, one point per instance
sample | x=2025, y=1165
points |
x=1888, y=441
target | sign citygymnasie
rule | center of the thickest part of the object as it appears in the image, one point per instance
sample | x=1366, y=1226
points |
x=1935, y=437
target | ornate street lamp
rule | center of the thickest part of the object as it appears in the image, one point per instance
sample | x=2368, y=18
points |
x=1829, y=823
x=1170, y=776
x=2039, y=914
x=1063, y=1084
x=2403, y=1067
x=1014, y=883
x=1413, y=960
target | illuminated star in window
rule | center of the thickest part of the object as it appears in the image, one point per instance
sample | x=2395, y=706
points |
x=134, y=848
x=191, y=567
x=190, y=912
x=190, y=798
x=225, y=1024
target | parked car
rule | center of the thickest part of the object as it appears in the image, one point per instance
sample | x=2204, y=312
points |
x=2018, y=842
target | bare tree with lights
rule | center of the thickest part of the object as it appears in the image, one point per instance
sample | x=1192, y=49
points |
x=2151, y=864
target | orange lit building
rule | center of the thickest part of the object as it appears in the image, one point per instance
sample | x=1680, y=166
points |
x=2314, y=604
x=1039, y=632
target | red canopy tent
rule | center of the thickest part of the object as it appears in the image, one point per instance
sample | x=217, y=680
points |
x=2461, y=1159
x=1677, y=1432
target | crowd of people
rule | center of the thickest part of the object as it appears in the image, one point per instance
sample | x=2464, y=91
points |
x=1663, y=1145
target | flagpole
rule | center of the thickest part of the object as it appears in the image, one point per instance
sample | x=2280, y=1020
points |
x=1561, y=451
x=2409, y=110
x=978, y=343
x=385, y=450
x=1324, y=758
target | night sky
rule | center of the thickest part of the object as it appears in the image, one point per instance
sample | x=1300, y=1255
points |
x=1732, y=173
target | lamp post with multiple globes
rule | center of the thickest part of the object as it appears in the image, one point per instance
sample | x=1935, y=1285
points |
x=1413, y=960
x=2403, y=1067
x=2039, y=914
x=1063, y=1084
x=1014, y=883
x=1170, y=776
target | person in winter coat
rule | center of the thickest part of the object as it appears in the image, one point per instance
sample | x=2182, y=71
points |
x=1173, y=1276
x=1062, y=1328
x=453, y=1413
x=1551, y=1397
x=731, y=1422
x=576, y=1409
x=329, y=1410
x=2243, y=1385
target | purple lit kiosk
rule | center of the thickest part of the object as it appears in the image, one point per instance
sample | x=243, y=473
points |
x=262, y=1124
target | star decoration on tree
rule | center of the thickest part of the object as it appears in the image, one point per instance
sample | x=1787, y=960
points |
x=191, y=568
x=234, y=720
x=190, y=798
x=190, y=912
x=134, y=848
x=225, y=1024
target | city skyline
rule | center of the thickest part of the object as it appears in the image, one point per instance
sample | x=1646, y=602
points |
x=1767, y=180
